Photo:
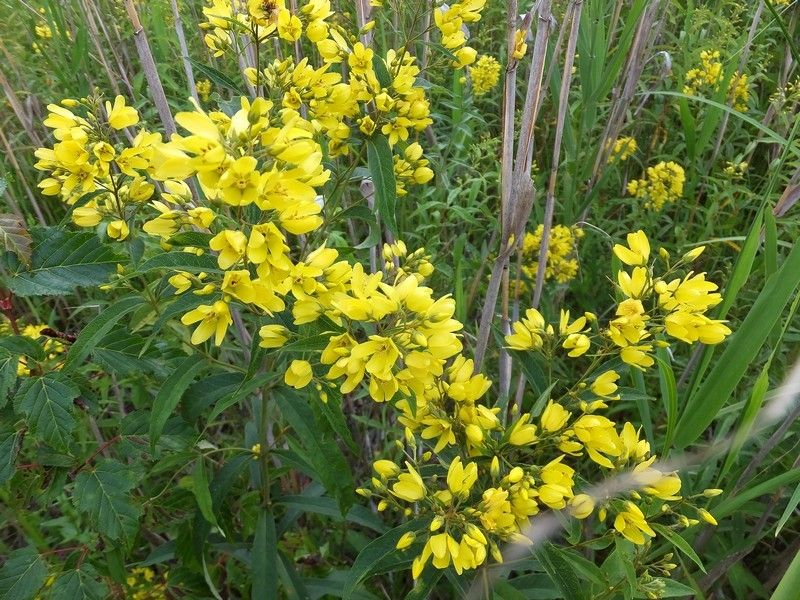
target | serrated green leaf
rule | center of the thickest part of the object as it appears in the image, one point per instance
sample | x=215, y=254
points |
x=170, y=394
x=181, y=261
x=97, y=328
x=62, y=261
x=102, y=494
x=560, y=572
x=21, y=345
x=9, y=448
x=22, y=574
x=381, y=168
x=8, y=374
x=79, y=584
x=46, y=403
x=124, y=353
x=14, y=237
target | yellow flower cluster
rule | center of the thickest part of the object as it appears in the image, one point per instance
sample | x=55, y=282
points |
x=662, y=184
x=144, y=584
x=89, y=161
x=399, y=263
x=411, y=168
x=485, y=74
x=708, y=76
x=451, y=22
x=735, y=170
x=520, y=46
x=53, y=348
x=624, y=147
x=562, y=262
x=204, y=89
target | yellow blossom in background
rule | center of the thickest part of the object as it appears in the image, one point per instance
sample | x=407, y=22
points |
x=203, y=89
x=662, y=184
x=623, y=149
x=707, y=77
x=485, y=74
x=562, y=262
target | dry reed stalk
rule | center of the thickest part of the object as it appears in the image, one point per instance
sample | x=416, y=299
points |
x=574, y=11
x=187, y=65
x=516, y=185
x=22, y=116
x=94, y=34
x=23, y=179
x=623, y=97
x=91, y=9
x=149, y=68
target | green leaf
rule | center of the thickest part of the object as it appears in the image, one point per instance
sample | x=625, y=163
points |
x=19, y=344
x=102, y=494
x=328, y=507
x=22, y=574
x=181, y=261
x=62, y=261
x=202, y=493
x=79, y=584
x=96, y=329
x=560, y=572
x=381, y=168
x=9, y=448
x=375, y=552
x=264, y=558
x=321, y=450
x=123, y=353
x=15, y=238
x=217, y=77
x=669, y=394
x=170, y=394
x=788, y=511
x=8, y=374
x=740, y=352
x=790, y=582
x=681, y=544
x=46, y=402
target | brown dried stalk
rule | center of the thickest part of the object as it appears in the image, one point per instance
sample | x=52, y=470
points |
x=574, y=11
x=149, y=68
x=187, y=65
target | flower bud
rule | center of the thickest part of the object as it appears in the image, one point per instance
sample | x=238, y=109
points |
x=405, y=541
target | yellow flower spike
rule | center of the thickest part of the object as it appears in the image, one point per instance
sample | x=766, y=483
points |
x=121, y=116
x=581, y=506
x=707, y=516
x=637, y=252
x=273, y=336
x=299, y=374
x=406, y=540
x=214, y=320
x=485, y=74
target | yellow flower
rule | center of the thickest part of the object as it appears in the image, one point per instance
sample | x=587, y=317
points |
x=528, y=332
x=637, y=252
x=214, y=320
x=485, y=74
x=386, y=468
x=118, y=230
x=605, y=385
x=239, y=183
x=86, y=216
x=299, y=374
x=231, y=246
x=707, y=516
x=581, y=506
x=554, y=417
x=522, y=433
x=273, y=336
x=460, y=478
x=290, y=27
x=121, y=116
x=409, y=486
x=632, y=524
x=406, y=540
